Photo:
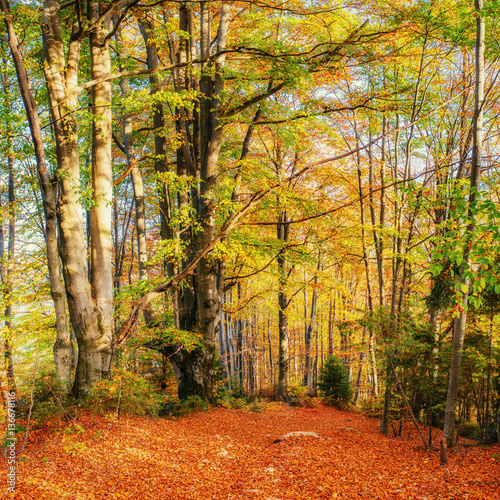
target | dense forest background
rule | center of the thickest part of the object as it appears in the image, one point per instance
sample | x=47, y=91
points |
x=217, y=196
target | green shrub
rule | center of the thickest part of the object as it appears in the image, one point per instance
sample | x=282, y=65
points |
x=297, y=393
x=49, y=400
x=225, y=403
x=257, y=406
x=299, y=396
x=136, y=394
x=373, y=407
x=334, y=382
x=222, y=395
x=172, y=408
x=312, y=402
x=194, y=404
x=238, y=403
x=469, y=430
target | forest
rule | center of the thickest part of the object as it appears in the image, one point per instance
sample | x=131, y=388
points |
x=252, y=205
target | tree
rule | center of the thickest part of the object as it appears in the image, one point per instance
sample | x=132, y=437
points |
x=475, y=173
x=62, y=346
x=334, y=381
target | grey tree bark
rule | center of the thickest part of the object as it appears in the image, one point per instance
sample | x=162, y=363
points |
x=475, y=173
x=90, y=308
x=102, y=194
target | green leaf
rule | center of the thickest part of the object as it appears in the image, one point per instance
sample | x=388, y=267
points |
x=436, y=269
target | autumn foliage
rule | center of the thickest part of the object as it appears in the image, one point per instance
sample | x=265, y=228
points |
x=237, y=202
x=231, y=454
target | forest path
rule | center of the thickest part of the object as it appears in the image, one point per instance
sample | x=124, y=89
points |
x=237, y=454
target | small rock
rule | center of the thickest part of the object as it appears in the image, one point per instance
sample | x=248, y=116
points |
x=223, y=453
x=270, y=470
x=300, y=433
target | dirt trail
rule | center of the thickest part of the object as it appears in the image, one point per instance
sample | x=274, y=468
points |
x=234, y=454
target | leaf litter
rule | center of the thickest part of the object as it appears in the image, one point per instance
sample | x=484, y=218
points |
x=286, y=454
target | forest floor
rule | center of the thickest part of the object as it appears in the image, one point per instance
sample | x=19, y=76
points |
x=237, y=454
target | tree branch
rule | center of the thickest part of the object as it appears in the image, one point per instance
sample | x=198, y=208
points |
x=253, y=100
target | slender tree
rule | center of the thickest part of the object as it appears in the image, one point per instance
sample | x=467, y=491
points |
x=475, y=173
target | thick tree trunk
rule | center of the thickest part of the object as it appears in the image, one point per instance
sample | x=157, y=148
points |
x=92, y=325
x=194, y=372
x=200, y=309
x=102, y=194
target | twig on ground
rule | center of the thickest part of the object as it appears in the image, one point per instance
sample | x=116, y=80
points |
x=31, y=399
x=117, y=411
x=66, y=414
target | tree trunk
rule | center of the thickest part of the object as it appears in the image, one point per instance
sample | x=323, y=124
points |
x=384, y=425
x=63, y=348
x=194, y=372
x=61, y=75
x=7, y=270
x=283, y=231
x=460, y=320
x=102, y=194
x=200, y=303
x=310, y=326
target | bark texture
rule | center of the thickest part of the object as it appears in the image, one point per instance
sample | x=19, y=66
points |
x=91, y=321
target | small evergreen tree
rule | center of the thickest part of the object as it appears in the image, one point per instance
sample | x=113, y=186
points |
x=334, y=382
